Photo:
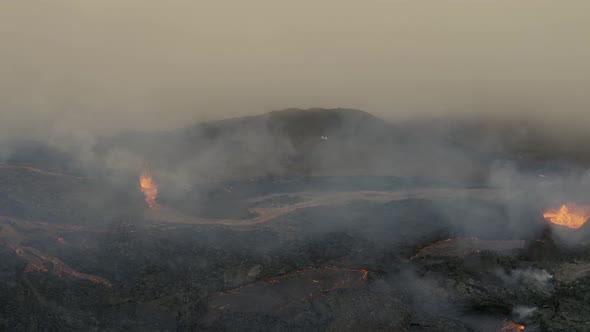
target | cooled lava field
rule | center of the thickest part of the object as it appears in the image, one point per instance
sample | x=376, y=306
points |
x=405, y=259
x=101, y=249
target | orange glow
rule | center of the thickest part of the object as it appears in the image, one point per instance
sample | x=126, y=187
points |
x=569, y=215
x=365, y=274
x=39, y=262
x=510, y=326
x=148, y=187
x=33, y=267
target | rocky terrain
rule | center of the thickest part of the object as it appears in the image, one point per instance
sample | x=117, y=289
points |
x=295, y=251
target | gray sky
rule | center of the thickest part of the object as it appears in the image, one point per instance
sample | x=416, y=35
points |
x=98, y=65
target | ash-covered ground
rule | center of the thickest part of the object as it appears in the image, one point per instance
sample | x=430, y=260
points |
x=304, y=242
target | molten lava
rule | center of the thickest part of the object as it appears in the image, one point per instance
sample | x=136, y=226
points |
x=510, y=326
x=569, y=215
x=39, y=262
x=148, y=187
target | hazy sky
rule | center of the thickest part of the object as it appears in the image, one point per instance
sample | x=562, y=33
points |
x=97, y=64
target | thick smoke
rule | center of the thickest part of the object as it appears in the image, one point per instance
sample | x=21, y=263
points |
x=75, y=70
x=523, y=312
x=464, y=96
x=144, y=68
x=530, y=277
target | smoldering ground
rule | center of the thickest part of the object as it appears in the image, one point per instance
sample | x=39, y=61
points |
x=92, y=93
x=189, y=162
x=440, y=185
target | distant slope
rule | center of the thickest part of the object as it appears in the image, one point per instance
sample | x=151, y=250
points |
x=291, y=141
x=315, y=142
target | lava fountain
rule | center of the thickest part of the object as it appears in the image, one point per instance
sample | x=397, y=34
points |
x=510, y=326
x=569, y=215
x=148, y=187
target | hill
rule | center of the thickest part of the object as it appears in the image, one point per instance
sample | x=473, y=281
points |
x=291, y=141
x=317, y=142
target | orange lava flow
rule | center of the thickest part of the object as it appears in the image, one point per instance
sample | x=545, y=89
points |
x=510, y=326
x=569, y=215
x=148, y=187
x=38, y=262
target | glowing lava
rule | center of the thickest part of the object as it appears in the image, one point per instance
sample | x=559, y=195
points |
x=510, y=326
x=148, y=187
x=569, y=215
x=38, y=262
